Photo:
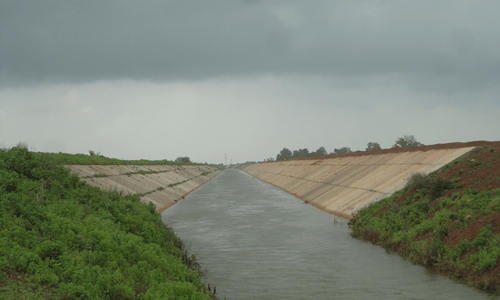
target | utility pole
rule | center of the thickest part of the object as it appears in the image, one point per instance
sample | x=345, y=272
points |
x=225, y=159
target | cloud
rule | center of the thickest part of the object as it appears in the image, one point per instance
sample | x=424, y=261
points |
x=249, y=119
x=161, y=79
x=424, y=42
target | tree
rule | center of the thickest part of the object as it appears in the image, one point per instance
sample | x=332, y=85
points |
x=284, y=154
x=183, y=159
x=321, y=151
x=269, y=159
x=407, y=141
x=300, y=153
x=372, y=146
x=343, y=150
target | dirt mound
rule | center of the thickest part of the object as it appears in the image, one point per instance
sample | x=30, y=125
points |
x=401, y=149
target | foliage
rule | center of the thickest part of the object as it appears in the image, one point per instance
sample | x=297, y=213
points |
x=319, y=152
x=93, y=153
x=183, y=159
x=407, y=141
x=82, y=159
x=300, y=153
x=435, y=185
x=372, y=146
x=67, y=239
x=441, y=221
x=284, y=154
x=343, y=150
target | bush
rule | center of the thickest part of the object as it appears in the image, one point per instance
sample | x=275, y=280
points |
x=417, y=181
x=81, y=242
x=464, y=246
x=439, y=186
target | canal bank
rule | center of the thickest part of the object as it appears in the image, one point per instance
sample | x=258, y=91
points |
x=343, y=184
x=448, y=222
x=162, y=185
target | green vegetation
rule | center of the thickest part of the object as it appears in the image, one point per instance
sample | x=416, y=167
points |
x=97, y=176
x=372, y=146
x=183, y=159
x=343, y=150
x=142, y=172
x=407, y=141
x=286, y=154
x=63, y=239
x=448, y=223
x=82, y=159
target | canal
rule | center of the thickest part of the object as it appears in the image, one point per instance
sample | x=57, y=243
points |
x=258, y=242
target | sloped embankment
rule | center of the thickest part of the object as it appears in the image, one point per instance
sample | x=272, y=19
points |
x=343, y=184
x=63, y=239
x=448, y=221
x=162, y=185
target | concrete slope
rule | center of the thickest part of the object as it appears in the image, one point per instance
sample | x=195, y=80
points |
x=343, y=184
x=163, y=185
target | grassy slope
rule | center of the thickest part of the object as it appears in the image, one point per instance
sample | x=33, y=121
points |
x=449, y=222
x=61, y=238
x=82, y=159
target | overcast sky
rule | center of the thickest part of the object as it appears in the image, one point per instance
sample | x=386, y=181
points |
x=163, y=79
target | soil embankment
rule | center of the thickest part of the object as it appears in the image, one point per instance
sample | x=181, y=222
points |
x=343, y=184
x=448, y=221
x=163, y=185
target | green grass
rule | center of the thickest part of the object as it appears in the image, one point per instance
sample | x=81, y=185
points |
x=61, y=238
x=426, y=223
x=82, y=159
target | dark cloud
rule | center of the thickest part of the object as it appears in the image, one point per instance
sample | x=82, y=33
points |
x=454, y=43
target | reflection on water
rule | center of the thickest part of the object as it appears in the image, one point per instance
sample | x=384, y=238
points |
x=259, y=242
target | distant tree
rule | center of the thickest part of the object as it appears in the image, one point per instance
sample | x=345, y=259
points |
x=183, y=159
x=320, y=152
x=22, y=145
x=300, y=153
x=343, y=150
x=407, y=141
x=372, y=146
x=93, y=153
x=269, y=159
x=284, y=154
x=304, y=152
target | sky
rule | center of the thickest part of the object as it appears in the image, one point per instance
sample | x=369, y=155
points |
x=236, y=81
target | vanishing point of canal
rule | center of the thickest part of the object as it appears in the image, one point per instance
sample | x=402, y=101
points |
x=258, y=242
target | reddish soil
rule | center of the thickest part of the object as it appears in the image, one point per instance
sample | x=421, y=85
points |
x=399, y=149
x=480, y=171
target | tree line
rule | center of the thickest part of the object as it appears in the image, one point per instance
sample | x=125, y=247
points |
x=407, y=141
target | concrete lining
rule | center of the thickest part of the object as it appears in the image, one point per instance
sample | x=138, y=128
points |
x=342, y=185
x=154, y=186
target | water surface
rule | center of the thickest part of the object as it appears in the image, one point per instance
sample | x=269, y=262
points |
x=259, y=242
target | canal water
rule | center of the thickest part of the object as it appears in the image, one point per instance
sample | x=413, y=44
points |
x=258, y=242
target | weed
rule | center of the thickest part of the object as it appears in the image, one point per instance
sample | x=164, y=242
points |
x=75, y=241
x=417, y=181
x=423, y=225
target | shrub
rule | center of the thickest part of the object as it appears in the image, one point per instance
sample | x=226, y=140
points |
x=464, y=246
x=81, y=242
x=439, y=186
x=417, y=181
